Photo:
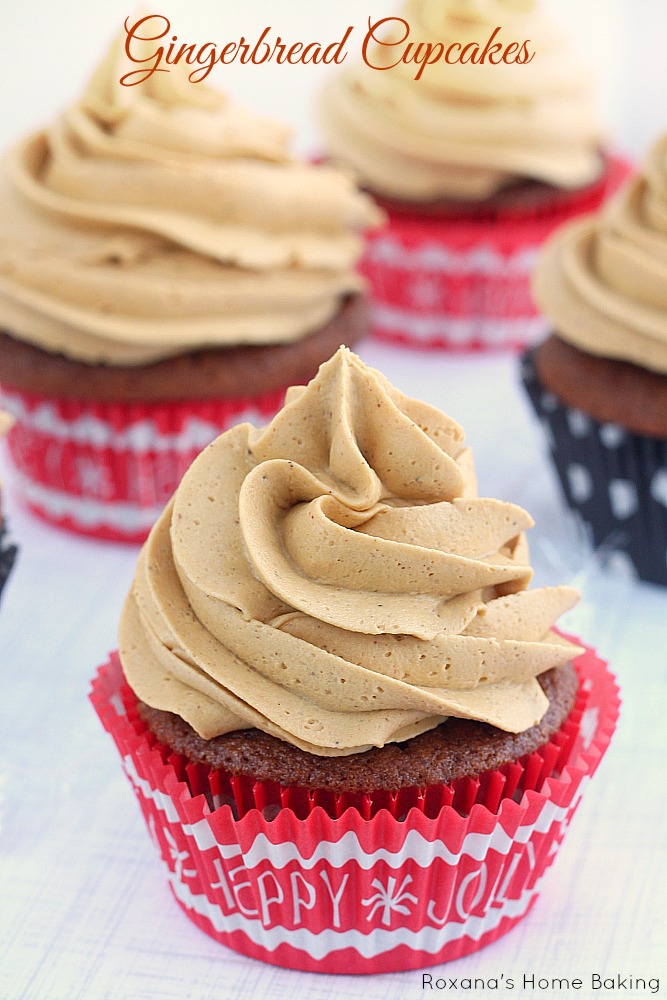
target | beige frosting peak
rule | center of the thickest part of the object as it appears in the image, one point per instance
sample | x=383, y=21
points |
x=159, y=218
x=334, y=580
x=603, y=280
x=465, y=131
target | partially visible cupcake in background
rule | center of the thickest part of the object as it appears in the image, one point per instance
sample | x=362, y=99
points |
x=475, y=163
x=599, y=382
x=7, y=550
x=336, y=691
x=167, y=268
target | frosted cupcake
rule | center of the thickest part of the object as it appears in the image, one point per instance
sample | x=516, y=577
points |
x=476, y=164
x=336, y=692
x=7, y=551
x=599, y=382
x=167, y=268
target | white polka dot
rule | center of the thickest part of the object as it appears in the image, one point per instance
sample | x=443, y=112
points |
x=623, y=498
x=548, y=433
x=612, y=435
x=579, y=423
x=580, y=481
x=659, y=486
x=548, y=402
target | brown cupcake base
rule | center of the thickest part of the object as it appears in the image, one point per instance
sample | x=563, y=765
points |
x=456, y=749
x=605, y=423
x=522, y=196
x=224, y=372
x=610, y=391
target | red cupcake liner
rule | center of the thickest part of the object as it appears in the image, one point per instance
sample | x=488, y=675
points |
x=107, y=469
x=463, y=284
x=384, y=883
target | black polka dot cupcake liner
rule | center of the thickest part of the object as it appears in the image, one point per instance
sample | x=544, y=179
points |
x=614, y=481
x=7, y=556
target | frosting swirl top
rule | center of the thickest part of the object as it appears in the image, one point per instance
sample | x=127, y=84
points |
x=333, y=580
x=603, y=280
x=465, y=131
x=159, y=218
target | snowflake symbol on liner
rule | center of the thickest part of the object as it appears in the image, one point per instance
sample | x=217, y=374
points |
x=425, y=293
x=93, y=477
x=389, y=899
x=178, y=857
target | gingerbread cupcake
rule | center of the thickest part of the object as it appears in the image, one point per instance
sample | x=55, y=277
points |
x=7, y=550
x=335, y=691
x=167, y=268
x=476, y=161
x=598, y=383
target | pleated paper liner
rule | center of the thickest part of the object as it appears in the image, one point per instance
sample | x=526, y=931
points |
x=614, y=481
x=462, y=282
x=368, y=883
x=106, y=469
x=8, y=552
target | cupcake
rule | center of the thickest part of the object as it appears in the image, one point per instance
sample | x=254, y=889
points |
x=598, y=382
x=167, y=269
x=475, y=163
x=355, y=737
x=7, y=551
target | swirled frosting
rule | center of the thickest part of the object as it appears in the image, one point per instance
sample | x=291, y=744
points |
x=158, y=218
x=603, y=280
x=465, y=131
x=333, y=580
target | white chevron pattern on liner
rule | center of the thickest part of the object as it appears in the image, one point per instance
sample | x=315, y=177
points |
x=88, y=513
x=434, y=257
x=526, y=329
x=430, y=939
x=200, y=832
x=142, y=436
x=415, y=846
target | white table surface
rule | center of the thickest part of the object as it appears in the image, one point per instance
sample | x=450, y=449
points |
x=85, y=911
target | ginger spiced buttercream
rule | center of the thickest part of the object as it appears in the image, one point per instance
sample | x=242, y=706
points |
x=157, y=219
x=602, y=281
x=332, y=579
x=465, y=130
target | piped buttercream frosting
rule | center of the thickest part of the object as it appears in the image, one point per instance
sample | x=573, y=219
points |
x=602, y=280
x=334, y=580
x=161, y=218
x=464, y=130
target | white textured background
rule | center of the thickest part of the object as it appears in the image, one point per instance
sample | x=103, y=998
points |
x=84, y=910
